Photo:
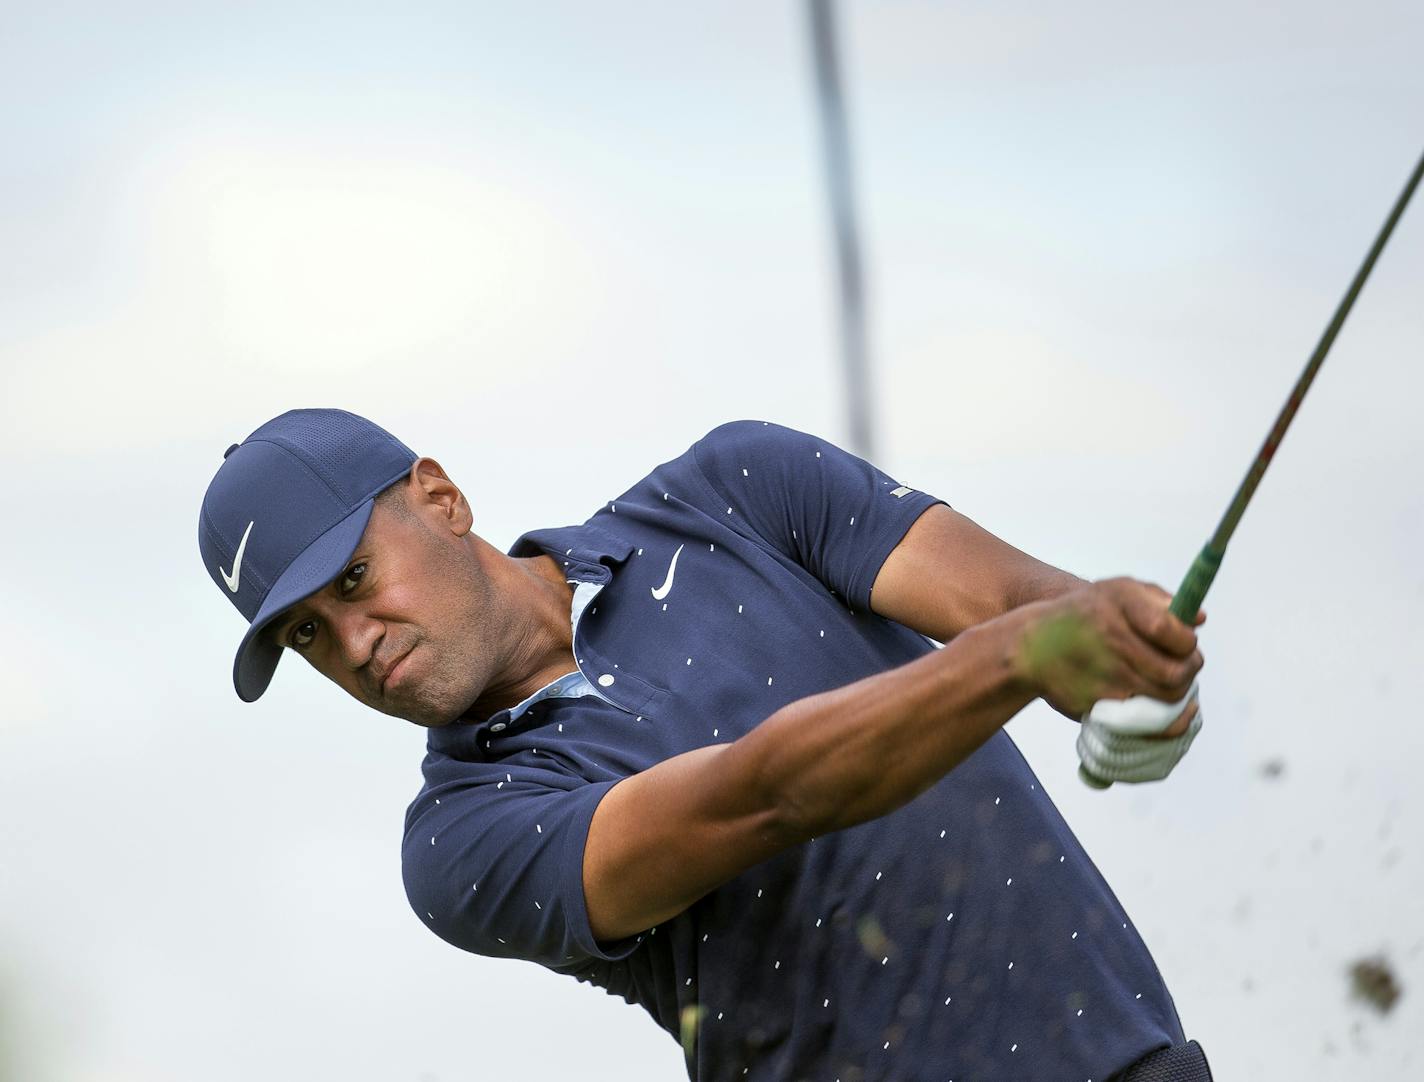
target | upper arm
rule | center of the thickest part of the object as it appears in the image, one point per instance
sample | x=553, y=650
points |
x=948, y=574
x=493, y=860
x=661, y=839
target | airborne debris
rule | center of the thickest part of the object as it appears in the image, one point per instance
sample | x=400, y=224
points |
x=873, y=939
x=1272, y=769
x=691, y=1019
x=1372, y=980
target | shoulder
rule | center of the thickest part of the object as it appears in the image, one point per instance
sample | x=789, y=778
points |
x=478, y=795
x=732, y=448
x=750, y=433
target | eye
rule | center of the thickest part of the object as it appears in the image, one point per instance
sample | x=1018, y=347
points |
x=302, y=634
x=353, y=576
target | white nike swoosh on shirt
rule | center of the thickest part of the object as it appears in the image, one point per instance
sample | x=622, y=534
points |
x=231, y=580
x=662, y=591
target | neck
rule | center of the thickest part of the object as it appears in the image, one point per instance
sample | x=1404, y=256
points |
x=544, y=649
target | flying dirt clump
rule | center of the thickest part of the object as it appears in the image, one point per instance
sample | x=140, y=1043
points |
x=1372, y=980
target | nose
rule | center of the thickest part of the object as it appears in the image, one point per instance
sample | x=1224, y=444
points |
x=355, y=634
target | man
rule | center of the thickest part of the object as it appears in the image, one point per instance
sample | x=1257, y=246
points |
x=701, y=751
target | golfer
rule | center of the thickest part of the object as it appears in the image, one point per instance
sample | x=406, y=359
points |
x=704, y=751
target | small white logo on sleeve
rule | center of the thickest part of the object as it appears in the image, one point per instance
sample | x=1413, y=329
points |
x=662, y=591
x=231, y=580
x=901, y=492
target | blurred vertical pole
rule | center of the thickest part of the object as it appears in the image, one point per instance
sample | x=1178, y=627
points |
x=835, y=140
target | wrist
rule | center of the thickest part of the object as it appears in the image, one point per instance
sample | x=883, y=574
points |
x=1021, y=647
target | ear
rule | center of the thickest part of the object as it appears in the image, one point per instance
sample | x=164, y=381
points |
x=431, y=493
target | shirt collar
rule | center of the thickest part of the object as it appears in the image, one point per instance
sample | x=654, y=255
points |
x=588, y=554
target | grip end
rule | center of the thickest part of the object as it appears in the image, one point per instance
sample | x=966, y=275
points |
x=1092, y=781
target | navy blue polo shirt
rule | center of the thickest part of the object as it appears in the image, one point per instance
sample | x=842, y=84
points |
x=966, y=935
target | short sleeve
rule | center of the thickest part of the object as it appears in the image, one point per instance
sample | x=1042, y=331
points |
x=495, y=867
x=832, y=512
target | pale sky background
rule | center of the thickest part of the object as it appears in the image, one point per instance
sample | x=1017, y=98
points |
x=552, y=245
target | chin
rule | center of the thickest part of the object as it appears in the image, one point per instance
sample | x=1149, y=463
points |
x=429, y=715
x=425, y=718
x=428, y=720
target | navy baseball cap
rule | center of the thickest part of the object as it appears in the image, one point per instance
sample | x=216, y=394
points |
x=285, y=512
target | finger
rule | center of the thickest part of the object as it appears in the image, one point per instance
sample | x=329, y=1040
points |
x=1127, y=588
x=1155, y=623
x=1178, y=727
x=1138, y=670
x=1173, y=682
x=1125, y=682
x=1159, y=674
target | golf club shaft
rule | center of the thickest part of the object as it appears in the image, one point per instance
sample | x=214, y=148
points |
x=1187, y=601
x=1192, y=592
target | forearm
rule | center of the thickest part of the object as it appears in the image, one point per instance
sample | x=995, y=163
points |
x=1043, y=583
x=855, y=753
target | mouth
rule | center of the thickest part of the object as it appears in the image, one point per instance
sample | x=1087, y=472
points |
x=393, y=676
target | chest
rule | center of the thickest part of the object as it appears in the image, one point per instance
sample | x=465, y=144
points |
x=702, y=633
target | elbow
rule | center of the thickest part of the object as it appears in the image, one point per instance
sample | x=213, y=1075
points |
x=801, y=805
x=797, y=817
x=783, y=789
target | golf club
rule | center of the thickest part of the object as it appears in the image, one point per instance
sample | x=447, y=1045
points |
x=1186, y=603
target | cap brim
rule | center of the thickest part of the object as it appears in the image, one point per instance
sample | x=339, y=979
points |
x=317, y=565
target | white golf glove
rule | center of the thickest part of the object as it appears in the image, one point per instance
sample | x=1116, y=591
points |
x=1113, y=743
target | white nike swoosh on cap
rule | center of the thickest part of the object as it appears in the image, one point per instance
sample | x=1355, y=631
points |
x=231, y=580
x=662, y=591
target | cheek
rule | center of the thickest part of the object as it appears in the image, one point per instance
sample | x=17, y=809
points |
x=448, y=602
x=342, y=678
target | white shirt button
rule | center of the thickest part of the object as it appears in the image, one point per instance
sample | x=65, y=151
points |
x=605, y=680
x=497, y=726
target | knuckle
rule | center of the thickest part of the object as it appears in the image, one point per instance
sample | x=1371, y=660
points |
x=1162, y=625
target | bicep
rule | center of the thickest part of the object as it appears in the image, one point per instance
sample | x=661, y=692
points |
x=663, y=838
x=948, y=573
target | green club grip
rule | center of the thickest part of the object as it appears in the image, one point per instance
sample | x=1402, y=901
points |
x=1187, y=602
x=1185, y=606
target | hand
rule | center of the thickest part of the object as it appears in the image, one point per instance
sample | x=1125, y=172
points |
x=1113, y=639
x=1136, y=740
